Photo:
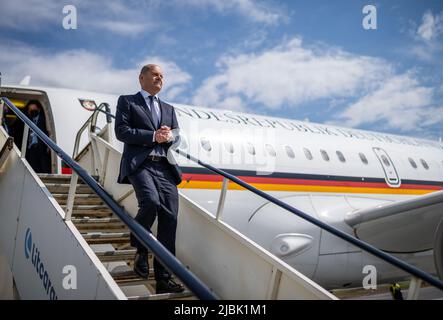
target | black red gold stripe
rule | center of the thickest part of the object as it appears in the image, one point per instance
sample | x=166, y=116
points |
x=200, y=178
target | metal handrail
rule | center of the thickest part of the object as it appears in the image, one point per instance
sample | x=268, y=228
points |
x=92, y=120
x=145, y=237
x=357, y=242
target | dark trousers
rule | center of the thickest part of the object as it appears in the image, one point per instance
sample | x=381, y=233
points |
x=39, y=158
x=157, y=196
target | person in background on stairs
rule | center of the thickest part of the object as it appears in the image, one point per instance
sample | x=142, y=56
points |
x=38, y=153
x=145, y=124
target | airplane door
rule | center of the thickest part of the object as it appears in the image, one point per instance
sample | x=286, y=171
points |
x=391, y=175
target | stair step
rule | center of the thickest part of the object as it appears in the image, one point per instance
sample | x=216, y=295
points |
x=116, y=240
x=137, y=281
x=116, y=255
x=86, y=228
x=87, y=220
x=57, y=178
x=86, y=208
x=91, y=211
x=164, y=296
x=64, y=188
x=95, y=235
x=99, y=224
x=126, y=255
x=80, y=199
x=94, y=214
x=106, y=237
x=128, y=274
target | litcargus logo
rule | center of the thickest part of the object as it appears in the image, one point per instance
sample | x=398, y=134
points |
x=28, y=243
x=32, y=251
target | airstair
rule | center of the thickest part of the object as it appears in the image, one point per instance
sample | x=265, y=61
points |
x=108, y=237
x=67, y=237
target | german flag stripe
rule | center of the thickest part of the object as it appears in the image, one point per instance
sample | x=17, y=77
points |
x=200, y=178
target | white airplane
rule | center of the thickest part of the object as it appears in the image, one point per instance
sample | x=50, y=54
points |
x=384, y=189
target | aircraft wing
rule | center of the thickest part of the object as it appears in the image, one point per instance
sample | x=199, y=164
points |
x=400, y=227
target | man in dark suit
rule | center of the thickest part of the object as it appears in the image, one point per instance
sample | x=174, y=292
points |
x=146, y=125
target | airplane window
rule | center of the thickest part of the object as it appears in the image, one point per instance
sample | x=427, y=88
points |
x=251, y=148
x=206, y=144
x=270, y=150
x=363, y=158
x=289, y=152
x=324, y=155
x=424, y=164
x=229, y=147
x=340, y=156
x=412, y=162
x=385, y=160
x=308, y=154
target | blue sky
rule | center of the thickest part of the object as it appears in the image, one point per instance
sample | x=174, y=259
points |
x=306, y=60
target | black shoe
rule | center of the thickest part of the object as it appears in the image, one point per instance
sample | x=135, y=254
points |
x=168, y=286
x=141, y=266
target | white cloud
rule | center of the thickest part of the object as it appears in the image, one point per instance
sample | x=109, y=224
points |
x=256, y=11
x=122, y=28
x=81, y=69
x=428, y=45
x=432, y=116
x=122, y=17
x=30, y=14
x=401, y=102
x=292, y=75
x=431, y=27
x=289, y=74
x=424, y=52
x=114, y=16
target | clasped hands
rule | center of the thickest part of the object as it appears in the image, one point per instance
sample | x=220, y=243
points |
x=164, y=134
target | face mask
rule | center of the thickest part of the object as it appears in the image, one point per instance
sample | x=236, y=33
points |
x=33, y=113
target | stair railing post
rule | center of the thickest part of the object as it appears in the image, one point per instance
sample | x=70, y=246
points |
x=97, y=164
x=25, y=141
x=71, y=196
x=104, y=167
x=221, y=201
x=414, y=288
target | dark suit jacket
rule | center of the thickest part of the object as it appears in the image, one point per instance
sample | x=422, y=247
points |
x=134, y=126
x=17, y=131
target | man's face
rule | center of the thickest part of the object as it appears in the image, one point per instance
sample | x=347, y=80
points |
x=152, y=80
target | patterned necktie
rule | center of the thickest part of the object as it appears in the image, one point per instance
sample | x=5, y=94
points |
x=153, y=111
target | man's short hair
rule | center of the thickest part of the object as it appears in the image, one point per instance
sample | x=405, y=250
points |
x=147, y=68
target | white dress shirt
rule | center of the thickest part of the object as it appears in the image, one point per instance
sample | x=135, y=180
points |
x=146, y=95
